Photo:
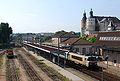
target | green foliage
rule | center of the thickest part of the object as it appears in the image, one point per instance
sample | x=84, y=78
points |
x=1, y=60
x=5, y=34
x=84, y=37
x=48, y=38
x=59, y=32
x=72, y=32
x=42, y=40
x=92, y=39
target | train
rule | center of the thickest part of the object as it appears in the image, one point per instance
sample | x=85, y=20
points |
x=10, y=53
x=88, y=61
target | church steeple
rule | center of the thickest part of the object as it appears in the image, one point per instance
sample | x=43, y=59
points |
x=83, y=22
x=84, y=15
x=91, y=13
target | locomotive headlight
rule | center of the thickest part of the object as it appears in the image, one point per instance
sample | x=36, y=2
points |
x=95, y=63
x=90, y=63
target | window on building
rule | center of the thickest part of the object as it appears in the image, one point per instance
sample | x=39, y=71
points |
x=104, y=38
x=111, y=38
x=100, y=38
x=108, y=38
x=84, y=50
x=90, y=50
x=112, y=51
x=117, y=38
x=114, y=38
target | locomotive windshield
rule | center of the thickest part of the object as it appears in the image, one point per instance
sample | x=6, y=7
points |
x=92, y=59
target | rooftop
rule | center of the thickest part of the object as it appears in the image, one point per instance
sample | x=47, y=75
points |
x=65, y=35
x=77, y=41
x=108, y=39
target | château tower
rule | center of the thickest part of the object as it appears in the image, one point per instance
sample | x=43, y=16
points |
x=94, y=24
x=83, y=21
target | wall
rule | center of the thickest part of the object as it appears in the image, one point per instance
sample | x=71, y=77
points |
x=55, y=40
x=113, y=55
x=81, y=47
x=90, y=26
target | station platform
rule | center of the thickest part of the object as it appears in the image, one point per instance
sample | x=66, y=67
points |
x=109, y=68
x=61, y=70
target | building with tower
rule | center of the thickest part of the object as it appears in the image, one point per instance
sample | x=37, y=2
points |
x=94, y=24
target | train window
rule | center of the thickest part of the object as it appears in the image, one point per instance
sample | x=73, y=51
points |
x=78, y=58
x=86, y=59
x=115, y=61
x=68, y=55
x=77, y=49
x=92, y=59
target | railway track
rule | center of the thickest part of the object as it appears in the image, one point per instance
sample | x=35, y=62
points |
x=44, y=69
x=29, y=69
x=12, y=74
x=97, y=74
x=2, y=53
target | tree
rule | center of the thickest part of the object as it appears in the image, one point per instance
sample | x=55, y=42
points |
x=42, y=40
x=92, y=39
x=84, y=37
x=59, y=32
x=5, y=34
x=72, y=32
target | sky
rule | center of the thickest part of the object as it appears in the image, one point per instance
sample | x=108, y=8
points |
x=35, y=16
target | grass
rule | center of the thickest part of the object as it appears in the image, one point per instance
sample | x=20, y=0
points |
x=56, y=73
x=53, y=70
x=7, y=66
x=1, y=60
x=17, y=70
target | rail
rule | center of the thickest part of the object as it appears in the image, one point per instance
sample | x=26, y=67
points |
x=40, y=65
x=97, y=73
x=29, y=69
x=12, y=74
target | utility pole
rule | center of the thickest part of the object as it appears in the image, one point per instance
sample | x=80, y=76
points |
x=58, y=50
x=40, y=40
x=27, y=38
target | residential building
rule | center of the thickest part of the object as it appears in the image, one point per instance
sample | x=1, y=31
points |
x=29, y=38
x=61, y=37
x=79, y=46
